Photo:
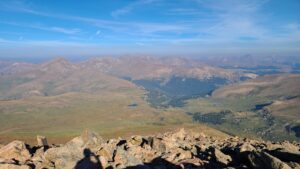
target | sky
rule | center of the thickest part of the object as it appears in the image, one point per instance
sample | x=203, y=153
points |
x=42, y=28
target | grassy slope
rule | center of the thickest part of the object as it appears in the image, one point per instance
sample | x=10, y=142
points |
x=241, y=99
x=60, y=99
x=64, y=116
x=277, y=88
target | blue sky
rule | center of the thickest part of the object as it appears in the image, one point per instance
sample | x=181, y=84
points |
x=40, y=28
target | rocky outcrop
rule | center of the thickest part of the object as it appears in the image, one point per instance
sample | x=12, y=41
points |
x=41, y=141
x=68, y=155
x=181, y=149
x=15, y=150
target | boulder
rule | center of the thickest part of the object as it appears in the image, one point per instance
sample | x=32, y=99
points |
x=285, y=155
x=44, y=166
x=246, y=147
x=136, y=140
x=90, y=161
x=146, y=154
x=124, y=159
x=38, y=156
x=287, y=146
x=42, y=141
x=15, y=150
x=7, y=161
x=103, y=161
x=106, y=152
x=219, y=156
x=183, y=155
x=63, y=157
x=285, y=151
x=158, y=145
x=91, y=139
x=13, y=166
x=179, y=135
x=73, y=151
x=191, y=163
x=264, y=160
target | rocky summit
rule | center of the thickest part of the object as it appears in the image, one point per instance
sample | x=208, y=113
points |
x=181, y=149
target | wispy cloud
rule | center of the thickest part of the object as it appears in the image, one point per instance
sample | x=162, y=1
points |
x=116, y=26
x=63, y=30
x=184, y=11
x=236, y=18
x=98, y=32
x=2, y=40
x=45, y=28
x=130, y=7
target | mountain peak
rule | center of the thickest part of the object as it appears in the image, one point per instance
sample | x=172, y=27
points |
x=58, y=60
x=59, y=63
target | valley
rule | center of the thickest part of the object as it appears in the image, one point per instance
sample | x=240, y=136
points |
x=264, y=107
x=128, y=95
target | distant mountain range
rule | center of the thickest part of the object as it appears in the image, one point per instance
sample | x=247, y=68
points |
x=58, y=76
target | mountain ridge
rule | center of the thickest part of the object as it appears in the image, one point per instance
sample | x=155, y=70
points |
x=59, y=76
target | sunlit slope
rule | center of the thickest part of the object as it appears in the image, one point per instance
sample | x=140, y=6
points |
x=275, y=86
x=112, y=113
x=266, y=107
x=281, y=91
x=57, y=77
x=62, y=116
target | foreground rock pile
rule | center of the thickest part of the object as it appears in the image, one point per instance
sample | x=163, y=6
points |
x=180, y=149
